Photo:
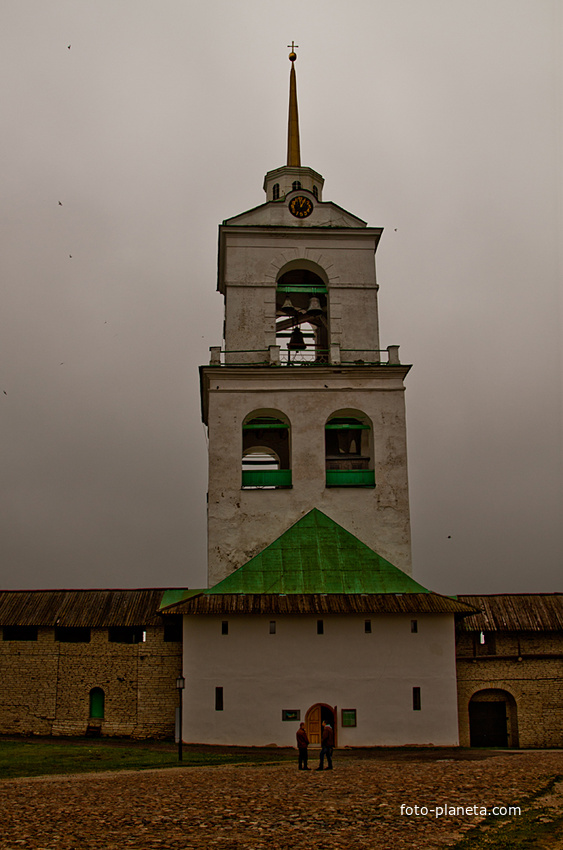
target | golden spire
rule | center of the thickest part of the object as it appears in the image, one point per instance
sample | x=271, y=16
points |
x=293, y=152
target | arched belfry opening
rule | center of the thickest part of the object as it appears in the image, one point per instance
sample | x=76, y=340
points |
x=266, y=451
x=302, y=317
x=349, y=450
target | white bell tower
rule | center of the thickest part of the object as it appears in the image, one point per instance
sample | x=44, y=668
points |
x=304, y=409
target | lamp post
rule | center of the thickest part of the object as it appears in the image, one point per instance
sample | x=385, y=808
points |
x=180, y=685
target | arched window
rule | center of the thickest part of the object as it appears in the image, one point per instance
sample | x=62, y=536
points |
x=276, y=191
x=97, y=703
x=265, y=453
x=302, y=317
x=295, y=185
x=349, y=453
x=315, y=192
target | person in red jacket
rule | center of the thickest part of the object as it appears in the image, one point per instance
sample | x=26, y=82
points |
x=327, y=744
x=302, y=744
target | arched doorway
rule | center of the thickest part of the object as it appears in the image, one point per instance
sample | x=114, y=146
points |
x=314, y=718
x=493, y=719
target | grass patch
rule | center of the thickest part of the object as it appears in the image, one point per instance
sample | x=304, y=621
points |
x=537, y=828
x=40, y=757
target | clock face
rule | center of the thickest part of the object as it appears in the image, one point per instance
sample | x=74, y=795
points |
x=300, y=207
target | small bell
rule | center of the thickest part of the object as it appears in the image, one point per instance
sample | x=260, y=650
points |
x=314, y=308
x=288, y=307
x=296, y=341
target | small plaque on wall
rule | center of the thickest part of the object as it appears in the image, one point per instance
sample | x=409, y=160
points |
x=291, y=714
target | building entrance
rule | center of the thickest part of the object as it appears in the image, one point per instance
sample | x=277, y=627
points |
x=492, y=719
x=314, y=720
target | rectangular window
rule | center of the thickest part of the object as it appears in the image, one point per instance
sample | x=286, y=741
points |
x=72, y=634
x=272, y=627
x=416, y=699
x=225, y=627
x=19, y=633
x=218, y=699
x=367, y=627
x=414, y=626
x=125, y=634
x=173, y=630
x=291, y=714
x=320, y=627
x=348, y=716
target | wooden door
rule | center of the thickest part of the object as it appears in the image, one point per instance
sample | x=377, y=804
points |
x=313, y=724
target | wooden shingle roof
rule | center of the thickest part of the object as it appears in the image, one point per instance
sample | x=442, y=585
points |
x=515, y=612
x=320, y=603
x=93, y=608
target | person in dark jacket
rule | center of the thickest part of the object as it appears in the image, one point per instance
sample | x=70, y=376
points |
x=302, y=744
x=327, y=744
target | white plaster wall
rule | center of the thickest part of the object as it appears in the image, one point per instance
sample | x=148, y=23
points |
x=261, y=674
x=252, y=260
x=243, y=522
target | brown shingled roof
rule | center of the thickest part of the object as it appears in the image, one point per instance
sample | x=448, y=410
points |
x=94, y=608
x=318, y=603
x=518, y=612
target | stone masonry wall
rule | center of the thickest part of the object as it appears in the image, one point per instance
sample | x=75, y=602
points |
x=529, y=666
x=46, y=685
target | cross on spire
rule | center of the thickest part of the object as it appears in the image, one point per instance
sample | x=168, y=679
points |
x=293, y=54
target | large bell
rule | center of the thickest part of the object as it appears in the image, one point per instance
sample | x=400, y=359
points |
x=314, y=308
x=288, y=307
x=296, y=341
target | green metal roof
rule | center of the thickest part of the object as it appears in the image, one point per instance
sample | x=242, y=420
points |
x=172, y=596
x=316, y=555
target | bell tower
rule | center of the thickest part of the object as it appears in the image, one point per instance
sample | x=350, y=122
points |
x=304, y=409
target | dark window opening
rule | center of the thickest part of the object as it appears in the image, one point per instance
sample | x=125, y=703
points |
x=272, y=627
x=295, y=185
x=126, y=634
x=19, y=632
x=173, y=629
x=414, y=626
x=320, y=627
x=348, y=453
x=72, y=634
x=276, y=191
x=367, y=627
x=416, y=699
x=218, y=699
x=225, y=627
x=315, y=192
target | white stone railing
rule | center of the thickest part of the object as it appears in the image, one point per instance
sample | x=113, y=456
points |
x=274, y=355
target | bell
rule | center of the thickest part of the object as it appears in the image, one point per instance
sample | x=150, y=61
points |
x=296, y=341
x=288, y=307
x=314, y=308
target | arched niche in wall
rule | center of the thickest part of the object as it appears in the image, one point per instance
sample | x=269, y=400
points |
x=97, y=703
x=266, y=451
x=349, y=449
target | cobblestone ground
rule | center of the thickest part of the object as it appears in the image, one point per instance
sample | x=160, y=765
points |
x=357, y=805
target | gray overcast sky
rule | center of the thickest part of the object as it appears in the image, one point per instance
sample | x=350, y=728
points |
x=131, y=128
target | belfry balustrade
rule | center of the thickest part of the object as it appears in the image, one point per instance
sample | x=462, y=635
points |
x=333, y=356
